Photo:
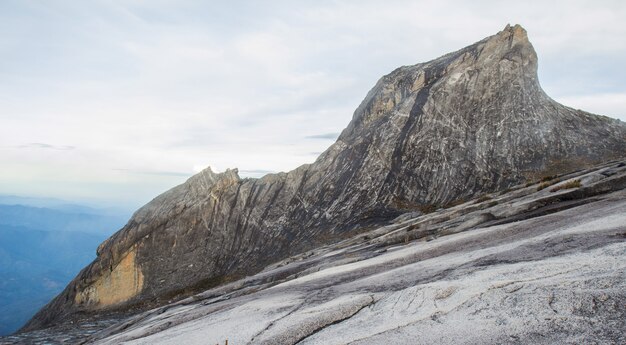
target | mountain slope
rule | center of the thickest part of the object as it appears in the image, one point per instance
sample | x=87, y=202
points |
x=530, y=265
x=467, y=123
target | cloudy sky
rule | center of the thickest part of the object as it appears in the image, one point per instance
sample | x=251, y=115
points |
x=117, y=101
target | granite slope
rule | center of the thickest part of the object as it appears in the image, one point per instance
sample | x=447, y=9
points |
x=536, y=264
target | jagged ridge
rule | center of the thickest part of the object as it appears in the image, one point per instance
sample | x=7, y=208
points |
x=470, y=122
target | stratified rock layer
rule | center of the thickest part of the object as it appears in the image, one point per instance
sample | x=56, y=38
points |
x=470, y=122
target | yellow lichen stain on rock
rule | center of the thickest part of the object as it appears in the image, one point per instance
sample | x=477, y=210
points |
x=124, y=282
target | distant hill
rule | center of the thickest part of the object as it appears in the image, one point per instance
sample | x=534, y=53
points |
x=46, y=219
x=42, y=249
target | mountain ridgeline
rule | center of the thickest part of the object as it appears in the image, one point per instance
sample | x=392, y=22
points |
x=426, y=136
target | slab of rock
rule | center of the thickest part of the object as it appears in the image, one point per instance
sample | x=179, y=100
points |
x=554, y=273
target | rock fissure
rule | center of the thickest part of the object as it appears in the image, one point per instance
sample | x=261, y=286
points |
x=335, y=322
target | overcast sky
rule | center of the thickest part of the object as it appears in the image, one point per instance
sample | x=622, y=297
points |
x=117, y=101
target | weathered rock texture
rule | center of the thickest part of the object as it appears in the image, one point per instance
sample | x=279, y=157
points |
x=530, y=265
x=469, y=122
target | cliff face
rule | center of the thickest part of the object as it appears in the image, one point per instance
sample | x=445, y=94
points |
x=469, y=122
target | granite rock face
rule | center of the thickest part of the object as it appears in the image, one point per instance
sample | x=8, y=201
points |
x=470, y=122
x=535, y=264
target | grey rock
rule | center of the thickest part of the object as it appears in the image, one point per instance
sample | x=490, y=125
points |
x=404, y=217
x=550, y=274
x=470, y=122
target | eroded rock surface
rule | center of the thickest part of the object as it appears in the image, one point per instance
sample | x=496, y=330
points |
x=547, y=267
x=470, y=122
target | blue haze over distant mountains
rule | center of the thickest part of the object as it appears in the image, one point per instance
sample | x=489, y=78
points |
x=43, y=244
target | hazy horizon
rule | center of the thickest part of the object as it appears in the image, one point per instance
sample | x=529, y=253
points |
x=112, y=103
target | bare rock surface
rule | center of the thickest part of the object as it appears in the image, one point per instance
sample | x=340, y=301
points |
x=549, y=267
x=426, y=136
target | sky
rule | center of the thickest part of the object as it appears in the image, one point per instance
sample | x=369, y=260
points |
x=113, y=102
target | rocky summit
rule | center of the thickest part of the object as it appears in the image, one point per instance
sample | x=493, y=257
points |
x=425, y=140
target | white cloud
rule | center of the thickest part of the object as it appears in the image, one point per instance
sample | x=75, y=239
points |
x=45, y=146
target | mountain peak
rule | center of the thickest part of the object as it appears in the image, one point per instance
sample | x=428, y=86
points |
x=512, y=44
x=426, y=136
x=517, y=32
x=504, y=64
